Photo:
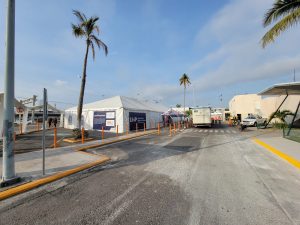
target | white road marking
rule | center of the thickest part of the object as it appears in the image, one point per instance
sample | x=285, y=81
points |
x=216, y=131
x=205, y=131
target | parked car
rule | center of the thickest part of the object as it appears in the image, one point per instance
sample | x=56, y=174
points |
x=254, y=120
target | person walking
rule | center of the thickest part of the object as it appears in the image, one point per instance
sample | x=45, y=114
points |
x=55, y=122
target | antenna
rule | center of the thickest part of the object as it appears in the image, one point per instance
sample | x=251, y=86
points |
x=294, y=75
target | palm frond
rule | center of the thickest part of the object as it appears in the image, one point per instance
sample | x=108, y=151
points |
x=77, y=30
x=288, y=21
x=80, y=16
x=99, y=43
x=280, y=8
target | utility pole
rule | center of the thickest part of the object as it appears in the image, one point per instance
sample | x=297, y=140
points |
x=8, y=173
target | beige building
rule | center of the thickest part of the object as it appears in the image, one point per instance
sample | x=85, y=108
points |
x=242, y=105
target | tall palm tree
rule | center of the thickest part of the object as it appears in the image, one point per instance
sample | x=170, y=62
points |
x=88, y=29
x=184, y=80
x=288, y=14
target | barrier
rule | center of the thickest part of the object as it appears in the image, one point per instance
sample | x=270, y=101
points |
x=117, y=134
x=82, y=135
x=55, y=138
x=102, y=133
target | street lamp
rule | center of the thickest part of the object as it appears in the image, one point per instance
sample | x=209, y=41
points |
x=8, y=172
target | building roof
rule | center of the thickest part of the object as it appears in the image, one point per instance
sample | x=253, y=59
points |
x=292, y=88
x=122, y=102
x=17, y=103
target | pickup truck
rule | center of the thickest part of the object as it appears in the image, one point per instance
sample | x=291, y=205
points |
x=254, y=120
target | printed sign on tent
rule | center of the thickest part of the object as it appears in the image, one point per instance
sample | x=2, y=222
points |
x=104, y=119
x=136, y=118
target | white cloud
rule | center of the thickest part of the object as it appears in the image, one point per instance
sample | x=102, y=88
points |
x=60, y=83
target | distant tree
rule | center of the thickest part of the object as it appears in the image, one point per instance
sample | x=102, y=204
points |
x=184, y=80
x=178, y=105
x=281, y=115
x=288, y=14
x=86, y=29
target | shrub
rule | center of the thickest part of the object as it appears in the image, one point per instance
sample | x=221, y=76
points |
x=77, y=133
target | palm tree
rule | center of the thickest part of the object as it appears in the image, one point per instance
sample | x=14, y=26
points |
x=281, y=115
x=184, y=80
x=288, y=14
x=86, y=29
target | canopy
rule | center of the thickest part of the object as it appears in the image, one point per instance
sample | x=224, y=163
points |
x=292, y=88
x=172, y=112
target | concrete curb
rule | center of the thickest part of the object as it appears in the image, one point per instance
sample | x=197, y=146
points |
x=280, y=154
x=37, y=183
x=114, y=141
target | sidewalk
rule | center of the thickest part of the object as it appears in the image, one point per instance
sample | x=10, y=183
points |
x=289, y=149
x=29, y=165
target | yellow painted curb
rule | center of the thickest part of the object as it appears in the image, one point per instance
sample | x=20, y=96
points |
x=34, y=184
x=282, y=155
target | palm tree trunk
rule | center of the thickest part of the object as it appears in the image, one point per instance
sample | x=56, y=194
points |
x=83, y=80
x=184, y=103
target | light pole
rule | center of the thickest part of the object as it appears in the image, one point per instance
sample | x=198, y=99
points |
x=8, y=172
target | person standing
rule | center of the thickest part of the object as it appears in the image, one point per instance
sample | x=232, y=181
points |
x=49, y=122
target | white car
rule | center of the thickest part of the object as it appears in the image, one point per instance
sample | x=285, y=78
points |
x=253, y=120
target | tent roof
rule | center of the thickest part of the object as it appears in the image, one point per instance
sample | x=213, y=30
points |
x=122, y=102
x=292, y=88
x=173, y=112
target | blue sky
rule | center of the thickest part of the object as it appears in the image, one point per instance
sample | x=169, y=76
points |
x=151, y=44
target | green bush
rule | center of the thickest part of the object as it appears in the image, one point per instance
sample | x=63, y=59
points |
x=280, y=125
x=76, y=133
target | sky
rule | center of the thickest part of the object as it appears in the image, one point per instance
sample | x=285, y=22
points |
x=151, y=44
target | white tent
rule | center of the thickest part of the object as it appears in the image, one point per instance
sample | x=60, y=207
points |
x=124, y=112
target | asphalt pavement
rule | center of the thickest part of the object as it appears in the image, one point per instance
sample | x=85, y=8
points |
x=200, y=176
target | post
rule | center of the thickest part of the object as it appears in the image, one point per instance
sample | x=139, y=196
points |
x=174, y=128
x=45, y=112
x=158, y=128
x=293, y=120
x=8, y=172
x=136, y=127
x=20, y=128
x=170, y=129
x=127, y=130
x=102, y=133
x=55, y=138
x=82, y=135
x=144, y=127
x=117, y=130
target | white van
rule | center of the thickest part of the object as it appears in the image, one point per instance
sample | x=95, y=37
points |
x=201, y=116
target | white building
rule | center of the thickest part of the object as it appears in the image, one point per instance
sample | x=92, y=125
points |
x=242, y=105
x=124, y=112
x=18, y=106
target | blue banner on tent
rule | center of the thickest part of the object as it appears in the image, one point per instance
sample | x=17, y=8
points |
x=105, y=119
x=136, y=118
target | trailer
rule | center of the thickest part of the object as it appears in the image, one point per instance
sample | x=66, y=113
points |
x=201, y=116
